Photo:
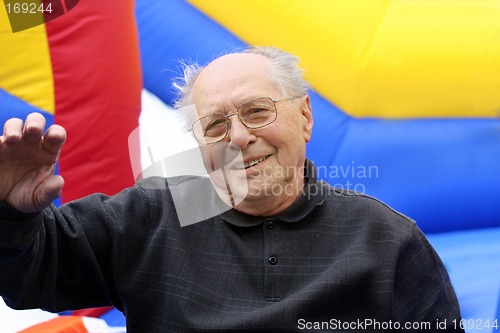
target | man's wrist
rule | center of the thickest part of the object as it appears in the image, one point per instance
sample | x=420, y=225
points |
x=11, y=214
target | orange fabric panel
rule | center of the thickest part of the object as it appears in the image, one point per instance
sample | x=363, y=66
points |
x=63, y=324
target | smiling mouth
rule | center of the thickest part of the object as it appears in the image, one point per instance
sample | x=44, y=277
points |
x=250, y=164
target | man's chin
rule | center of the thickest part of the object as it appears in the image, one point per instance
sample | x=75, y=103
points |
x=258, y=190
x=232, y=190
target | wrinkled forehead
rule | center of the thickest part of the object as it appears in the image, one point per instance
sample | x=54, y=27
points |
x=232, y=80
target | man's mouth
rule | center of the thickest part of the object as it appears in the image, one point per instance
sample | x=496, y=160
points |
x=251, y=163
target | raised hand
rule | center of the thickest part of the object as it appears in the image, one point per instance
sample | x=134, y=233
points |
x=27, y=161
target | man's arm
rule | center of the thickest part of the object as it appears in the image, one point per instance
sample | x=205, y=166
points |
x=79, y=255
x=47, y=259
x=423, y=293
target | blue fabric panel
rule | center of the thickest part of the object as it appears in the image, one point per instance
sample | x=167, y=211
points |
x=114, y=318
x=497, y=329
x=473, y=261
x=12, y=106
x=184, y=34
x=442, y=173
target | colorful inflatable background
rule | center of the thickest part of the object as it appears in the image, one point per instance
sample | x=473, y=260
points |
x=406, y=100
x=409, y=90
x=81, y=70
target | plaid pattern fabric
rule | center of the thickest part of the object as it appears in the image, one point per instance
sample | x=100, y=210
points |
x=333, y=257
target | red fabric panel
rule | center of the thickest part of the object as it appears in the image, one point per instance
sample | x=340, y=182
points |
x=93, y=312
x=97, y=77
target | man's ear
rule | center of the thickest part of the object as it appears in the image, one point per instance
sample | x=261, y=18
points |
x=307, y=118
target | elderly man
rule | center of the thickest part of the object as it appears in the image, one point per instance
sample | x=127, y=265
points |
x=289, y=254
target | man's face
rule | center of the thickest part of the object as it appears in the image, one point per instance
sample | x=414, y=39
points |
x=272, y=157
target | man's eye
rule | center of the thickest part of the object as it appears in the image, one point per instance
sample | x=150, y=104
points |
x=215, y=128
x=256, y=112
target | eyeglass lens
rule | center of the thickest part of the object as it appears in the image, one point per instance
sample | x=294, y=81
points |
x=253, y=114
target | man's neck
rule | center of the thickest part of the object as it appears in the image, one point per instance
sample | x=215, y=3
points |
x=271, y=205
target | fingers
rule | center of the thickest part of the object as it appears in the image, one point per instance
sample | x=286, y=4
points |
x=54, y=139
x=31, y=130
x=13, y=130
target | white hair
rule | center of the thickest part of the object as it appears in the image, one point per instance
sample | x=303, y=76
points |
x=285, y=72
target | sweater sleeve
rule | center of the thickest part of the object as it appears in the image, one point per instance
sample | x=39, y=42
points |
x=74, y=256
x=423, y=291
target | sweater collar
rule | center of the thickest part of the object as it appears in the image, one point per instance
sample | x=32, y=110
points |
x=313, y=194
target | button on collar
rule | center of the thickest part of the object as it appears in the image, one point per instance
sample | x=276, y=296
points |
x=270, y=224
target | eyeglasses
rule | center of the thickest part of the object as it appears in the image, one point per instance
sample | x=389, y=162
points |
x=255, y=113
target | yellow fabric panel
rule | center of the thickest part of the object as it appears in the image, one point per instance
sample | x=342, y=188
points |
x=383, y=58
x=25, y=65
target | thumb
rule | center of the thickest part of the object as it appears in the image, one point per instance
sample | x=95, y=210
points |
x=49, y=190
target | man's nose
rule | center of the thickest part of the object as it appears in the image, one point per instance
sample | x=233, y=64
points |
x=239, y=135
